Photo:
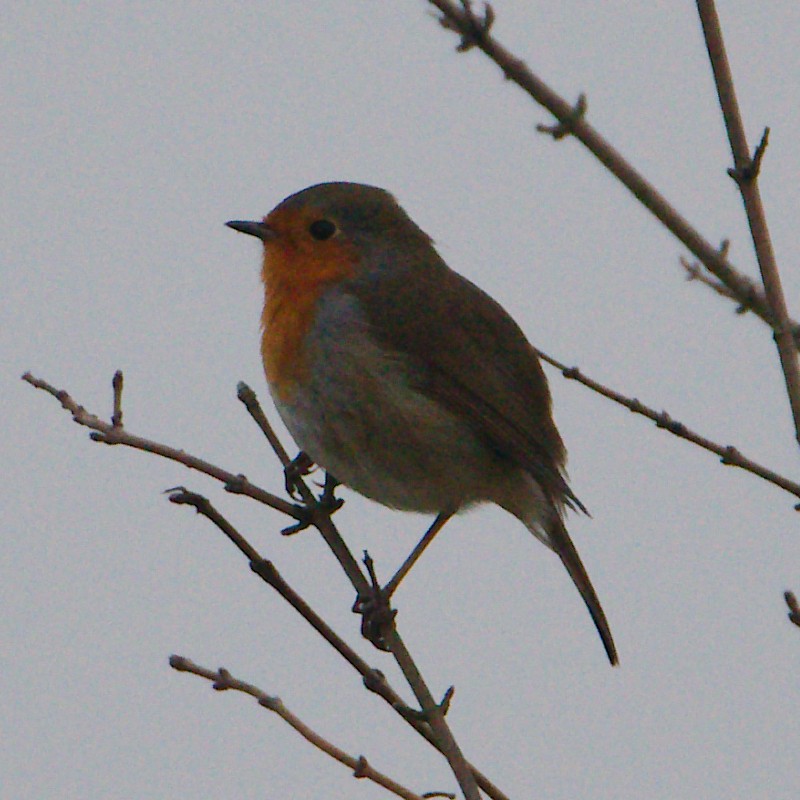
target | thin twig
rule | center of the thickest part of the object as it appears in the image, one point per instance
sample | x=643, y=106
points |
x=447, y=742
x=222, y=680
x=318, y=514
x=267, y=571
x=181, y=496
x=108, y=433
x=462, y=19
x=105, y=432
x=373, y=679
x=729, y=455
x=248, y=397
x=753, y=300
x=434, y=713
x=745, y=173
x=694, y=272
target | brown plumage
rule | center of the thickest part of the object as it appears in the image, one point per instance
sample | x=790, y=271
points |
x=403, y=379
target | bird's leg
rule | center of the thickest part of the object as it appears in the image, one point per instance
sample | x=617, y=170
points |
x=375, y=608
x=296, y=469
x=435, y=527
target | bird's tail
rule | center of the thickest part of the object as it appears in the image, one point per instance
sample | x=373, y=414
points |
x=559, y=540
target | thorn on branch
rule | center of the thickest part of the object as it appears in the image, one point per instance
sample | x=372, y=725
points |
x=760, y=150
x=566, y=125
x=223, y=681
x=749, y=171
x=422, y=716
x=444, y=705
x=116, y=385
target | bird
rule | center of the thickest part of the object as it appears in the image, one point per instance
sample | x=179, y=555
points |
x=400, y=377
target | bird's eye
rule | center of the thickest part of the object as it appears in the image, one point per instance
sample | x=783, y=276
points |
x=322, y=229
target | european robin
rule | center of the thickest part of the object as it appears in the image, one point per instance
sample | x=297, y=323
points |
x=403, y=379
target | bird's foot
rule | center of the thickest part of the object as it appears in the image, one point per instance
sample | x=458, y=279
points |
x=294, y=471
x=377, y=615
x=328, y=502
x=305, y=519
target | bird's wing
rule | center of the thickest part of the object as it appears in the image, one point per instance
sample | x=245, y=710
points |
x=475, y=360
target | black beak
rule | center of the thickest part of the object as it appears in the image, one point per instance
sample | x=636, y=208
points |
x=258, y=229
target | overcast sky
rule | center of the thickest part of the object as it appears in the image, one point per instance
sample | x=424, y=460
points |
x=132, y=133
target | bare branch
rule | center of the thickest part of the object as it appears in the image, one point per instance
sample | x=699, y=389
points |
x=745, y=173
x=426, y=723
x=754, y=300
x=111, y=434
x=729, y=455
x=462, y=20
x=566, y=126
x=435, y=714
x=222, y=680
x=318, y=514
x=247, y=396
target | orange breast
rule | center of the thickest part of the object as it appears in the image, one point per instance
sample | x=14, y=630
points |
x=294, y=278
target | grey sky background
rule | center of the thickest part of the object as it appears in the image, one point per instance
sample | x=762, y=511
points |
x=132, y=133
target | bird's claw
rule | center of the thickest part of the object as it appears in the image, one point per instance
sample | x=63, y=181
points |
x=294, y=471
x=377, y=615
x=328, y=502
x=304, y=520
